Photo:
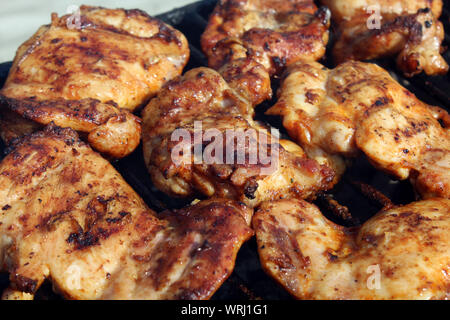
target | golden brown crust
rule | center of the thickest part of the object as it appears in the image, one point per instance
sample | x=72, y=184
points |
x=272, y=32
x=400, y=253
x=249, y=79
x=95, y=238
x=90, y=75
x=124, y=56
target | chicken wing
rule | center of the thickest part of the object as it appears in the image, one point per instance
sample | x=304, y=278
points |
x=236, y=157
x=358, y=106
x=274, y=33
x=401, y=253
x=408, y=29
x=67, y=215
x=89, y=72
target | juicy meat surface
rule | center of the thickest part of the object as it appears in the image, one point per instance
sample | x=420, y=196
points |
x=67, y=215
x=274, y=33
x=251, y=169
x=401, y=253
x=408, y=29
x=358, y=106
x=90, y=73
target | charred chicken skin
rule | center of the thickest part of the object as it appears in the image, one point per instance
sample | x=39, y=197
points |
x=359, y=107
x=67, y=215
x=400, y=253
x=202, y=96
x=407, y=29
x=274, y=33
x=90, y=71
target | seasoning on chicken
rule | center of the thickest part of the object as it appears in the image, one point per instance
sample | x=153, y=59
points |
x=12, y=125
x=89, y=72
x=358, y=106
x=400, y=253
x=68, y=216
x=407, y=29
x=274, y=33
x=237, y=157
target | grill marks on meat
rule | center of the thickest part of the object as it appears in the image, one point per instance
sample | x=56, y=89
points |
x=91, y=75
x=409, y=30
x=358, y=106
x=404, y=248
x=96, y=239
x=274, y=33
x=200, y=246
x=70, y=217
x=203, y=95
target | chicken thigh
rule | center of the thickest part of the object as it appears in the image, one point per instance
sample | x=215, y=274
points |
x=90, y=70
x=68, y=216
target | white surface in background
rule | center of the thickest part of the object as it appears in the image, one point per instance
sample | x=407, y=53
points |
x=19, y=19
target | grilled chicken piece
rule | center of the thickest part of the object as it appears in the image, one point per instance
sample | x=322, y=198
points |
x=274, y=33
x=90, y=73
x=408, y=29
x=358, y=106
x=67, y=215
x=230, y=155
x=401, y=253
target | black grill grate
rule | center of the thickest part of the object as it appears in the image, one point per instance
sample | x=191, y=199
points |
x=248, y=280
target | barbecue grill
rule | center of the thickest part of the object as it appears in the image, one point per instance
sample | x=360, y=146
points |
x=361, y=193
